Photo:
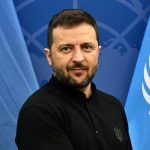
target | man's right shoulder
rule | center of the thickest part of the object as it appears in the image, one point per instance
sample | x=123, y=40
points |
x=44, y=97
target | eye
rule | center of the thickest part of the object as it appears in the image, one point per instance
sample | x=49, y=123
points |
x=87, y=47
x=66, y=49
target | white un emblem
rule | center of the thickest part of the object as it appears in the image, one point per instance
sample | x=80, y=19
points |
x=146, y=83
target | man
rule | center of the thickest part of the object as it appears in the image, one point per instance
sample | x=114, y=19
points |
x=69, y=113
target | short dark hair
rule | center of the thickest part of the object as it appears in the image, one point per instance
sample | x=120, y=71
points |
x=70, y=18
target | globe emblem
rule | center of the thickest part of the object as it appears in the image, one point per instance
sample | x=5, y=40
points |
x=119, y=24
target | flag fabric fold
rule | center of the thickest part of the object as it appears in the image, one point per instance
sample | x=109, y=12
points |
x=17, y=77
x=138, y=101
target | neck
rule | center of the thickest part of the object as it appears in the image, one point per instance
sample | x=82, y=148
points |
x=87, y=91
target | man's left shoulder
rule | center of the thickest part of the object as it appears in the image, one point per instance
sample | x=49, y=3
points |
x=107, y=98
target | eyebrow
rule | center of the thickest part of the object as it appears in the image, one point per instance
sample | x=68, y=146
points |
x=72, y=45
x=67, y=44
x=90, y=43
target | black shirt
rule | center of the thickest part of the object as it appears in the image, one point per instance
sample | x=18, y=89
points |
x=58, y=117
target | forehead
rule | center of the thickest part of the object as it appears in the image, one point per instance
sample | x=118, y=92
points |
x=81, y=33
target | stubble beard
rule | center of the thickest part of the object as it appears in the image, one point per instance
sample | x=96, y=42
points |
x=71, y=82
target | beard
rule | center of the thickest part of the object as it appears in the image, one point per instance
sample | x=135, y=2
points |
x=71, y=82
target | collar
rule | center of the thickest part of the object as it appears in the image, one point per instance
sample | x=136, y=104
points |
x=70, y=91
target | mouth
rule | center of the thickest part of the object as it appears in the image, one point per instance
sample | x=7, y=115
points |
x=78, y=71
x=79, y=68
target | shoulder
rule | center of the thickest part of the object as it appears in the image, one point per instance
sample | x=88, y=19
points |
x=44, y=98
x=107, y=99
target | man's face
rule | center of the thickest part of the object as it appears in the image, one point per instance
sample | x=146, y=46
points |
x=74, y=54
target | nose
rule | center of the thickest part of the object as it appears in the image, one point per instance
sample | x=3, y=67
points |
x=78, y=56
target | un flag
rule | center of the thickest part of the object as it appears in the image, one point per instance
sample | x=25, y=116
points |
x=17, y=78
x=138, y=101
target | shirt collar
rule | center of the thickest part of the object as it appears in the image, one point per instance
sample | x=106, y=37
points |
x=70, y=91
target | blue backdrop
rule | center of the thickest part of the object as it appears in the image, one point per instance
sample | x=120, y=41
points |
x=122, y=25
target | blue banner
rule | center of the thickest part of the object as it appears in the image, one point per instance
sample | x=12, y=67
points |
x=121, y=24
x=138, y=100
x=17, y=78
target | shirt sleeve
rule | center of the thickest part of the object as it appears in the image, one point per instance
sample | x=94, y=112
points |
x=39, y=130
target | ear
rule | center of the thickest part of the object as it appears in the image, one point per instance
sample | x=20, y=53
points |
x=48, y=55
